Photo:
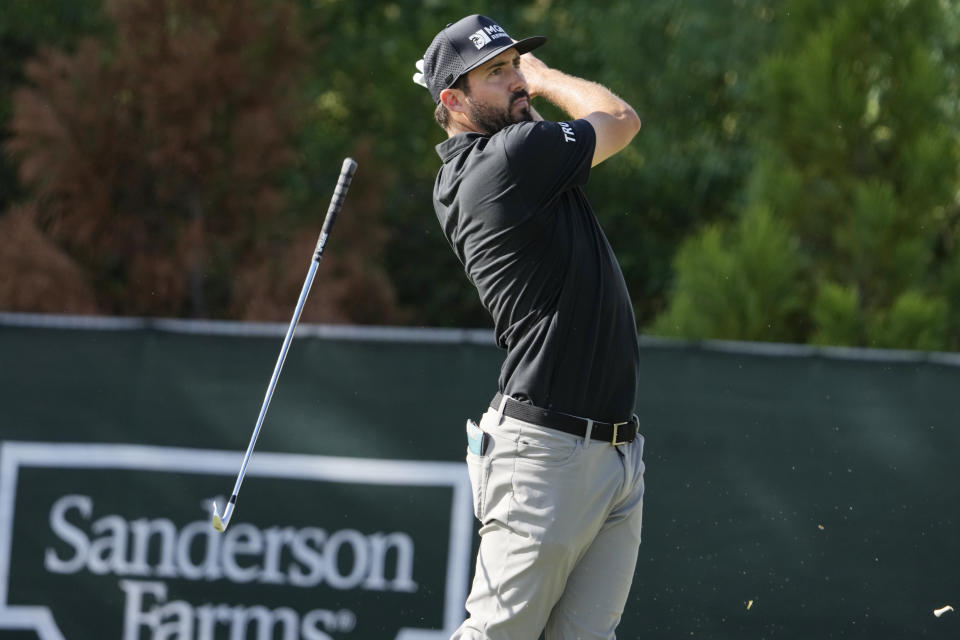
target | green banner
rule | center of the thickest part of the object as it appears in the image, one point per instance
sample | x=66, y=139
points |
x=792, y=492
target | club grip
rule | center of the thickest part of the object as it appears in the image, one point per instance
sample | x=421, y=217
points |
x=336, y=203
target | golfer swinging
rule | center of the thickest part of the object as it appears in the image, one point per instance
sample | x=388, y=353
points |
x=555, y=462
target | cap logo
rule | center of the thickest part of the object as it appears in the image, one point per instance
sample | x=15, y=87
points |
x=483, y=36
x=479, y=39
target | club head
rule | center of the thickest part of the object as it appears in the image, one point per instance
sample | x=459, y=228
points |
x=221, y=523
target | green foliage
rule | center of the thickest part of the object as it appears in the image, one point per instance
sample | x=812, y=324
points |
x=914, y=321
x=742, y=284
x=859, y=98
x=950, y=291
x=857, y=154
x=836, y=315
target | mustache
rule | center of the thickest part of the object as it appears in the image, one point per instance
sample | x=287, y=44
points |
x=519, y=94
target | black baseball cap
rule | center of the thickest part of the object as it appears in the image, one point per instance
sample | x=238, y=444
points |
x=465, y=45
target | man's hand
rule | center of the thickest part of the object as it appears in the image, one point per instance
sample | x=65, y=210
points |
x=532, y=69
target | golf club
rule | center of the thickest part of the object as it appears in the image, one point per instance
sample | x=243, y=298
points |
x=220, y=522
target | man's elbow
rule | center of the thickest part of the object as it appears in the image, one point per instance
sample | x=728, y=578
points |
x=631, y=121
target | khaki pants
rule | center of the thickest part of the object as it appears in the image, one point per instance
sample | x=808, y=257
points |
x=560, y=530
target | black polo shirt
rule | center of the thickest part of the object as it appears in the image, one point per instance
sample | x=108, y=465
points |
x=513, y=208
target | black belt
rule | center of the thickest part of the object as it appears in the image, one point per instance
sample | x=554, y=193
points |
x=613, y=432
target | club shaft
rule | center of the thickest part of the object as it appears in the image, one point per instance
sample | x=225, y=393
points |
x=336, y=203
x=276, y=371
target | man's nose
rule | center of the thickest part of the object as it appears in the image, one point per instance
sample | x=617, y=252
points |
x=518, y=81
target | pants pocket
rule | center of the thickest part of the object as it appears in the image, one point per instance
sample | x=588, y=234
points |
x=546, y=452
x=543, y=447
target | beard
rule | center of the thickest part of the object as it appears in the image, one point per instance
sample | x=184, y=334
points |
x=490, y=119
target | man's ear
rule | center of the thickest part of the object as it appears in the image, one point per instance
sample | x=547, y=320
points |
x=453, y=100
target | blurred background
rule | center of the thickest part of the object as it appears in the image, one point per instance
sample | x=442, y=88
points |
x=796, y=178
x=795, y=188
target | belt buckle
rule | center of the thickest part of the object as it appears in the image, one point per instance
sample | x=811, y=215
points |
x=616, y=427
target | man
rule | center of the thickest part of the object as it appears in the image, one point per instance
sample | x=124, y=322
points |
x=555, y=463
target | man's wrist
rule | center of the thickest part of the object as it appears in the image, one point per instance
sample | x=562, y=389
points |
x=559, y=89
x=545, y=80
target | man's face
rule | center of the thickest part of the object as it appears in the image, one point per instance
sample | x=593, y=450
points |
x=498, y=93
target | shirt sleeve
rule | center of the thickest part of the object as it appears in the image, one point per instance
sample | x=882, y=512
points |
x=548, y=158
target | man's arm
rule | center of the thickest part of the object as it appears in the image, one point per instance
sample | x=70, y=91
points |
x=614, y=121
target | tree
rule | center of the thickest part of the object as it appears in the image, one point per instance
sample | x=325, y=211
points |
x=857, y=145
x=35, y=274
x=25, y=26
x=158, y=160
x=738, y=283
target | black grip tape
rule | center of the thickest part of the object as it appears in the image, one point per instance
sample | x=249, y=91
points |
x=347, y=171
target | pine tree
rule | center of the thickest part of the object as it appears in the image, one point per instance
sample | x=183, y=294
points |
x=857, y=143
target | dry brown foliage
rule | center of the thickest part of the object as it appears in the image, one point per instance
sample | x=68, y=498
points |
x=35, y=275
x=154, y=161
x=347, y=288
